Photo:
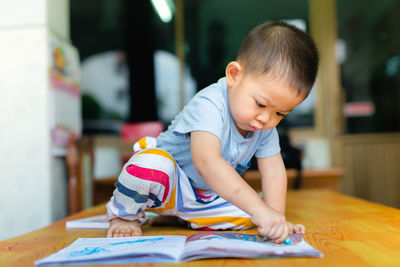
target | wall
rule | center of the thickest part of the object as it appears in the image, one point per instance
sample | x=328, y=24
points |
x=33, y=183
x=371, y=167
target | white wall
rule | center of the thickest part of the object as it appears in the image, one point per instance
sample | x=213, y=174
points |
x=32, y=182
x=58, y=24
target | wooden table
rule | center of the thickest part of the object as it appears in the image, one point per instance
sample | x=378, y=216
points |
x=348, y=231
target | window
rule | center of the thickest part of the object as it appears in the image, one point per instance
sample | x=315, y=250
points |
x=370, y=64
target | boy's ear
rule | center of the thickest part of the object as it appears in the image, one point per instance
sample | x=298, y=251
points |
x=233, y=72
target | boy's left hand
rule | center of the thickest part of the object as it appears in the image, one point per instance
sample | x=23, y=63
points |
x=296, y=228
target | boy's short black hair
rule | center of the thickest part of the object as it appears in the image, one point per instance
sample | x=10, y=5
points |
x=283, y=50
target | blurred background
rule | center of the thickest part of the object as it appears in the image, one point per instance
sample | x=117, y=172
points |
x=81, y=80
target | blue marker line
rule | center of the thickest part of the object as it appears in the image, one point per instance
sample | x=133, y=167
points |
x=137, y=241
x=88, y=251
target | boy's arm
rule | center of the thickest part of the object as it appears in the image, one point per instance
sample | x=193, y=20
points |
x=227, y=183
x=273, y=181
x=274, y=187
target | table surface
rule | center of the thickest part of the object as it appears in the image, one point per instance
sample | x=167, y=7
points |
x=346, y=230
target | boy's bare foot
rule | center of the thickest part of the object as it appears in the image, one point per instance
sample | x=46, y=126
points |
x=166, y=220
x=120, y=228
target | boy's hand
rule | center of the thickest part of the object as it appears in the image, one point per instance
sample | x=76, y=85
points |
x=272, y=225
x=120, y=228
x=296, y=228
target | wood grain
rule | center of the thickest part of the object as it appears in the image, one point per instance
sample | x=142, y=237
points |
x=348, y=231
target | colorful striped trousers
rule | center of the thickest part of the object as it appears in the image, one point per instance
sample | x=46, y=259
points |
x=152, y=181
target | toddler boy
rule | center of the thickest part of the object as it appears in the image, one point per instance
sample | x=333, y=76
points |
x=193, y=172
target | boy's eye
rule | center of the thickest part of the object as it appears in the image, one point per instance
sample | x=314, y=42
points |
x=259, y=104
x=280, y=114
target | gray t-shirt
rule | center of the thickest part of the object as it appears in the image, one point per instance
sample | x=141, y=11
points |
x=209, y=111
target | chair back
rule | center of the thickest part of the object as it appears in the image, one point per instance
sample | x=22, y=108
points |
x=133, y=131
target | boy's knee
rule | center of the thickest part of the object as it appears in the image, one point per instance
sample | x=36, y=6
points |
x=153, y=160
x=150, y=173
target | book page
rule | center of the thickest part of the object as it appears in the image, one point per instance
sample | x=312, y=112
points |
x=236, y=245
x=118, y=250
x=97, y=222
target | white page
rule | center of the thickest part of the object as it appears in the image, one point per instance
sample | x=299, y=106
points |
x=97, y=222
x=103, y=249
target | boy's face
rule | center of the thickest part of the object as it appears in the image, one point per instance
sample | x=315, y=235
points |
x=259, y=101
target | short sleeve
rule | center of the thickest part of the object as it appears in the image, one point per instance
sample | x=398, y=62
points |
x=269, y=144
x=201, y=114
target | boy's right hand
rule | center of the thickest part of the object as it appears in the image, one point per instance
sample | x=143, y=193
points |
x=271, y=224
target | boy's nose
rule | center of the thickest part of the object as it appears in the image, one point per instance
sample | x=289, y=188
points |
x=263, y=117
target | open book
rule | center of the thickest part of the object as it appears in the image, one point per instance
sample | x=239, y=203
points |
x=175, y=248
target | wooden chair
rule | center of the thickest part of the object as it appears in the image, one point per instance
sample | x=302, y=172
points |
x=129, y=134
x=74, y=190
x=76, y=150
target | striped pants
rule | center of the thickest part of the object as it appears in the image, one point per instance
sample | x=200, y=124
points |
x=152, y=181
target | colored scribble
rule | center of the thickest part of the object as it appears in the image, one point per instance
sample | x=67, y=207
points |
x=295, y=238
x=88, y=251
x=137, y=241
